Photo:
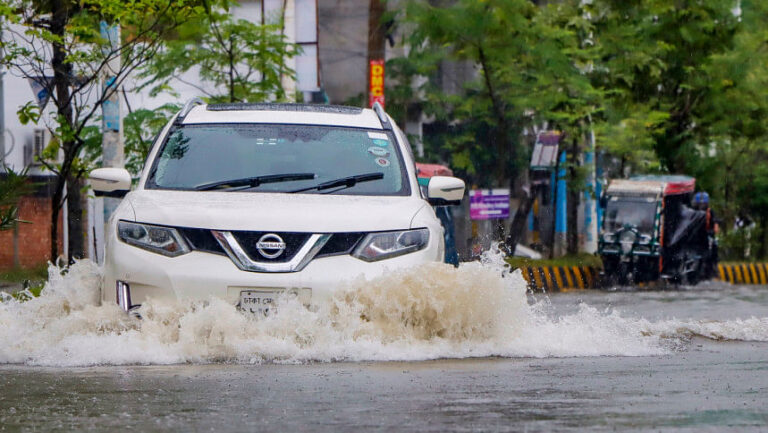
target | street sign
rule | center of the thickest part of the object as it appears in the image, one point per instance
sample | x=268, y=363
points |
x=485, y=204
x=376, y=83
x=545, y=150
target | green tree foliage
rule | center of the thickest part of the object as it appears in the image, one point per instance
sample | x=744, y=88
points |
x=659, y=62
x=58, y=43
x=12, y=186
x=527, y=65
x=724, y=146
x=670, y=87
x=141, y=127
x=476, y=113
x=240, y=60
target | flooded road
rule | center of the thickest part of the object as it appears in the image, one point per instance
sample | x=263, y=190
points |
x=711, y=387
x=475, y=353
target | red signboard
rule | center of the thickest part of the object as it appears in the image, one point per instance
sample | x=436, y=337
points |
x=376, y=83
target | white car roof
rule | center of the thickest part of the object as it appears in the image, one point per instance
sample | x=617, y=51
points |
x=297, y=114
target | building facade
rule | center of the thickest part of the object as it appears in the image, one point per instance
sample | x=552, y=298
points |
x=29, y=244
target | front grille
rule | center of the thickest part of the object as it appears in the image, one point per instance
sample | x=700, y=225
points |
x=201, y=240
x=340, y=243
x=293, y=243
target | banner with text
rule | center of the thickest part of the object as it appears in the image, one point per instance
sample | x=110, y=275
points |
x=376, y=83
x=485, y=204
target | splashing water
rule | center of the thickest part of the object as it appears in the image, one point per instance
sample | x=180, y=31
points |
x=435, y=311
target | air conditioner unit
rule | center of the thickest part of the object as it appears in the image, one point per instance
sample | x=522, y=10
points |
x=29, y=154
x=33, y=151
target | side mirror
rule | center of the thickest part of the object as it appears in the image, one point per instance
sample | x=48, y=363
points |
x=445, y=190
x=110, y=182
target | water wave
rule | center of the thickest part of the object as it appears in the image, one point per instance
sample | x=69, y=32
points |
x=435, y=311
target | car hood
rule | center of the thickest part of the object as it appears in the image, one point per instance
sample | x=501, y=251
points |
x=274, y=211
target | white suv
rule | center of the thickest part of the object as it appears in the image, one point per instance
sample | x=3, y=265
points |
x=248, y=201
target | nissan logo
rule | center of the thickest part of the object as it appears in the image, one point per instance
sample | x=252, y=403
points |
x=270, y=246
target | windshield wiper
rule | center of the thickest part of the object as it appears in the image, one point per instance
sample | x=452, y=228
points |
x=346, y=182
x=252, y=182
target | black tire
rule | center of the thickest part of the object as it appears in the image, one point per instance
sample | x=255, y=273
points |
x=626, y=274
x=692, y=277
x=610, y=271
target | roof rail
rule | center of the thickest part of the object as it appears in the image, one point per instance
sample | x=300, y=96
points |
x=187, y=108
x=279, y=106
x=382, y=115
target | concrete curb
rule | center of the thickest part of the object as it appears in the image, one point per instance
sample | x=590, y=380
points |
x=561, y=278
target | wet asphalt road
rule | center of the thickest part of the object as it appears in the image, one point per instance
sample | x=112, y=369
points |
x=707, y=385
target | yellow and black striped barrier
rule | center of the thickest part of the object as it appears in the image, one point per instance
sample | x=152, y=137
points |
x=565, y=278
x=561, y=278
x=744, y=273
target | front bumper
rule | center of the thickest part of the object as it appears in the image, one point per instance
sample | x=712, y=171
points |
x=200, y=275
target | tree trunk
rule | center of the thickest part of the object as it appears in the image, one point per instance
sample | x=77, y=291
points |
x=503, y=150
x=376, y=37
x=498, y=229
x=517, y=227
x=60, y=84
x=502, y=129
x=55, y=210
x=573, y=221
x=75, y=231
x=232, y=71
x=574, y=196
x=376, y=40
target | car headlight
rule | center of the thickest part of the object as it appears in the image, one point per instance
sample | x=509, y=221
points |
x=609, y=237
x=627, y=239
x=385, y=245
x=162, y=240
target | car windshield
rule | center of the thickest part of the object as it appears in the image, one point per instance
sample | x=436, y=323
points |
x=638, y=212
x=196, y=156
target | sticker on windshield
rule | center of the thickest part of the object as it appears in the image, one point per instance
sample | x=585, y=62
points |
x=382, y=143
x=378, y=136
x=383, y=162
x=378, y=151
x=266, y=141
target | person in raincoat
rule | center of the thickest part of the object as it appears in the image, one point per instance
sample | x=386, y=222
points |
x=701, y=203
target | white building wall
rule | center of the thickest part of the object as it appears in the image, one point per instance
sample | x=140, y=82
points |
x=17, y=93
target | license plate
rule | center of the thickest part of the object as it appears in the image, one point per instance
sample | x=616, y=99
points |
x=259, y=302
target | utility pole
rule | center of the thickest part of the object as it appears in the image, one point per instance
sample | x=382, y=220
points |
x=376, y=50
x=590, y=202
x=2, y=107
x=111, y=142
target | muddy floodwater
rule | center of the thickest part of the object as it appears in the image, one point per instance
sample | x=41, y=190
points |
x=443, y=350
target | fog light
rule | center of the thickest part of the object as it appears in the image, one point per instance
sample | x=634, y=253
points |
x=123, y=295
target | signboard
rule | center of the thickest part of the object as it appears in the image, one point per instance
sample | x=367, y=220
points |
x=545, y=150
x=40, y=86
x=485, y=204
x=376, y=83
